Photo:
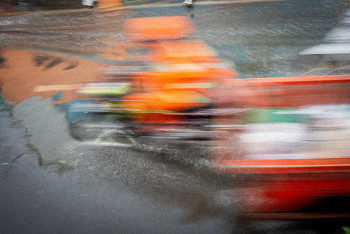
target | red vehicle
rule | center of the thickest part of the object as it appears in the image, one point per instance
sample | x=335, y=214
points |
x=291, y=150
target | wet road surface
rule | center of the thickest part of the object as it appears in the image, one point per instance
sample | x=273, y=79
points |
x=85, y=32
x=91, y=188
x=104, y=189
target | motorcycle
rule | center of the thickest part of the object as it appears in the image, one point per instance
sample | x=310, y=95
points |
x=161, y=100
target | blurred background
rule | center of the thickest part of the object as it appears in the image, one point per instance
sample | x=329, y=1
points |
x=223, y=160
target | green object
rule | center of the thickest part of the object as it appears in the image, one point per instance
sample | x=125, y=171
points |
x=106, y=89
x=346, y=230
x=274, y=115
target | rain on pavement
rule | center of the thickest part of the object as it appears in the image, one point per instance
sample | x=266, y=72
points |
x=61, y=185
